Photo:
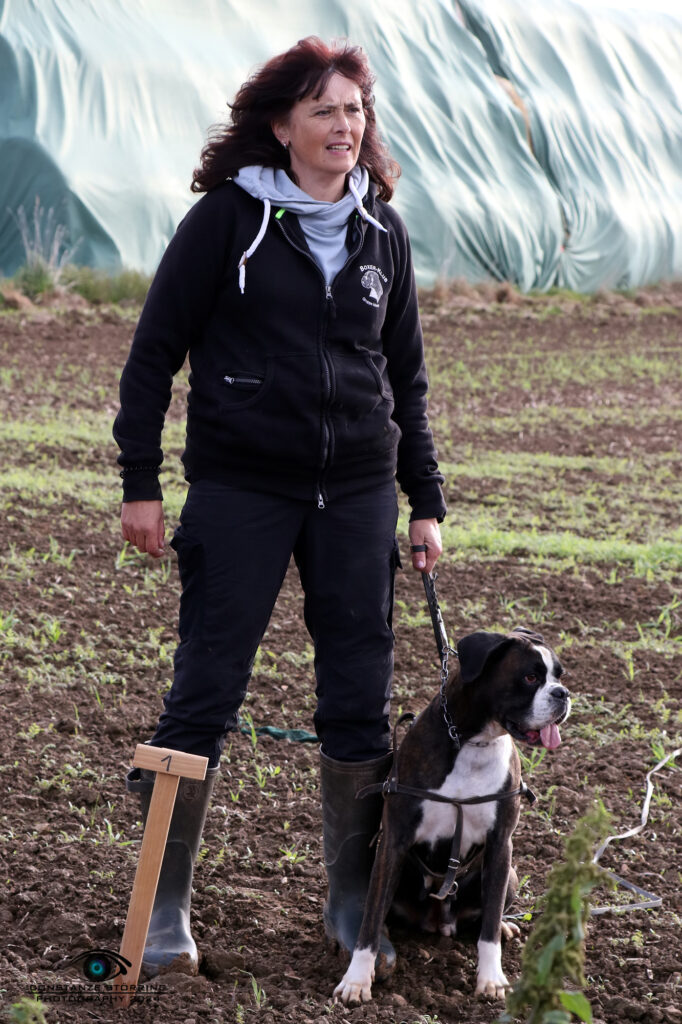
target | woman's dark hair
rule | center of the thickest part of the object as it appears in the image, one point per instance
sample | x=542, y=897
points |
x=270, y=94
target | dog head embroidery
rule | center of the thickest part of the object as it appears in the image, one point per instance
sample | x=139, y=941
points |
x=372, y=282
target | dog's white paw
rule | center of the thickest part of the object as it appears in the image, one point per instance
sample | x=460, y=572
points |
x=492, y=988
x=356, y=984
x=491, y=982
x=510, y=930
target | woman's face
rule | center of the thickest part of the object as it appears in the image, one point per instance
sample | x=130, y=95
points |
x=324, y=137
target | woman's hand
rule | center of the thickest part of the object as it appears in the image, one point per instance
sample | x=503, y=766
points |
x=425, y=531
x=142, y=526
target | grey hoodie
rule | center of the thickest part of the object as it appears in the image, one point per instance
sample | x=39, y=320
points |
x=324, y=224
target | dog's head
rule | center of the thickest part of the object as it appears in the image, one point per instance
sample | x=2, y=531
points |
x=516, y=676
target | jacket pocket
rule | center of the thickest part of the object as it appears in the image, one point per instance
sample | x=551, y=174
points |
x=361, y=410
x=381, y=382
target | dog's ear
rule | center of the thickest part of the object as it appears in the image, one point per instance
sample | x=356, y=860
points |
x=527, y=634
x=473, y=652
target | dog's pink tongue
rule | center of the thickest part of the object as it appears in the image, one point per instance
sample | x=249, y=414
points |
x=550, y=737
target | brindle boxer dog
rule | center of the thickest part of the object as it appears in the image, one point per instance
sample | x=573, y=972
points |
x=437, y=838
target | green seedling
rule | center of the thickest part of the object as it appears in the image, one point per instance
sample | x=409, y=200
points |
x=259, y=995
x=658, y=750
x=247, y=718
x=300, y=659
x=630, y=670
x=262, y=775
x=235, y=794
x=56, y=556
x=128, y=555
x=265, y=665
x=531, y=762
x=35, y=730
x=292, y=855
x=8, y=623
x=27, y=1011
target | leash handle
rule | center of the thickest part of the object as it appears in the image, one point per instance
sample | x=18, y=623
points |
x=429, y=581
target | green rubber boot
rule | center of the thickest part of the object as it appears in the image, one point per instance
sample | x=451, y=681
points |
x=169, y=933
x=348, y=828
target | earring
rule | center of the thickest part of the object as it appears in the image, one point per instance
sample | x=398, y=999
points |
x=285, y=143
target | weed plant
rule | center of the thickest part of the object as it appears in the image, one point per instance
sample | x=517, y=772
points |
x=46, y=249
x=27, y=1011
x=555, y=949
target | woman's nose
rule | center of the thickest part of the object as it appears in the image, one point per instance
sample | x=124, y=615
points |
x=341, y=122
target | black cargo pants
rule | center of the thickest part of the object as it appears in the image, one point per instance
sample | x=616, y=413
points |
x=233, y=550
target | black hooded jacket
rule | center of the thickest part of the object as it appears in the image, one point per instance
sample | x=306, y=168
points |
x=296, y=388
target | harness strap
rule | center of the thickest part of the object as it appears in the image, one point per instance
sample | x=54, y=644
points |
x=472, y=861
x=391, y=786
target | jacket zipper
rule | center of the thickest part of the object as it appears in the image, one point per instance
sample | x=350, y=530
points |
x=327, y=368
x=242, y=380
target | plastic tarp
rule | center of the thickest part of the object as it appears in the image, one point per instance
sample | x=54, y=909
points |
x=540, y=143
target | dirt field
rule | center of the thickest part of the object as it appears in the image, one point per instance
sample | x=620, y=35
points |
x=560, y=428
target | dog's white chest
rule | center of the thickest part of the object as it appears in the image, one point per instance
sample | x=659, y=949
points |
x=478, y=771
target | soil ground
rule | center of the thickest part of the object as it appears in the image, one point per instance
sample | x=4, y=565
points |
x=88, y=634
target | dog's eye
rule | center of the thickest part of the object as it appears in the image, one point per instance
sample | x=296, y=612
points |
x=530, y=678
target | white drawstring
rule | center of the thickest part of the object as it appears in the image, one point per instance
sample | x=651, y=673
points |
x=254, y=245
x=266, y=217
x=360, y=208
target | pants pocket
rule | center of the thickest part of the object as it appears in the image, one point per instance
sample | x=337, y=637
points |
x=191, y=568
x=395, y=563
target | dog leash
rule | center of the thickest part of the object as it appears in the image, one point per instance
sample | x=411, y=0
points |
x=444, y=651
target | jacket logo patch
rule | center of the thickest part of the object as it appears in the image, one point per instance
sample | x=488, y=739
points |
x=371, y=280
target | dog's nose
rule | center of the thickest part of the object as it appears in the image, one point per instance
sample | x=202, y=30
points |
x=560, y=693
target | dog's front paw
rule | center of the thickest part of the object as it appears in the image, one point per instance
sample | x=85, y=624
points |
x=490, y=980
x=510, y=930
x=492, y=988
x=356, y=984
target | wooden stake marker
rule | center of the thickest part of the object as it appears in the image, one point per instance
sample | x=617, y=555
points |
x=170, y=766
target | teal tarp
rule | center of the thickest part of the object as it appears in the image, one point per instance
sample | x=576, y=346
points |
x=104, y=108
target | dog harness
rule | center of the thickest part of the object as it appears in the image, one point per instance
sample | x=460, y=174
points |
x=392, y=785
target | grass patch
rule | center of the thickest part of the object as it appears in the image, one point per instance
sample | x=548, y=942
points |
x=101, y=288
x=644, y=559
x=95, y=490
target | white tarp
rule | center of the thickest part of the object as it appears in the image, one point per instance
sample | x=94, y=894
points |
x=104, y=108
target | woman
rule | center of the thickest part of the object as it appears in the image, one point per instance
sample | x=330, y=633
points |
x=290, y=285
